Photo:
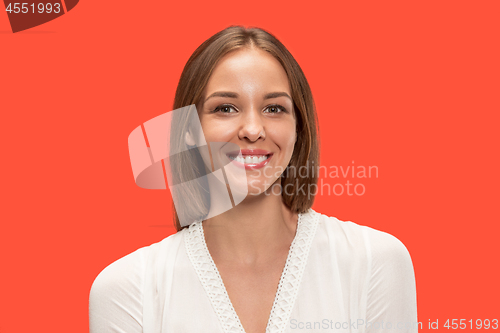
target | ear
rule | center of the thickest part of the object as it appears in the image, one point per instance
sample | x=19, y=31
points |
x=189, y=139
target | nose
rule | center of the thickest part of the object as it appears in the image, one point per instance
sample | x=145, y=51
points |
x=252, y=127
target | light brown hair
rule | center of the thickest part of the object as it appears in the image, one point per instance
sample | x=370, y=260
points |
x=195, y=76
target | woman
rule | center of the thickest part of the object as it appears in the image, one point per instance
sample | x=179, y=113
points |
x=269, y=263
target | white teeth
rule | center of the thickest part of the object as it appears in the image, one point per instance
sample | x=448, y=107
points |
x=251, y=159
x=248, y=159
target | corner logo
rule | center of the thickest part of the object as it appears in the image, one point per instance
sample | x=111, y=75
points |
x=26, y=15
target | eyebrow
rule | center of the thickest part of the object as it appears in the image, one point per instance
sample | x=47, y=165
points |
x=235, y=95
x=277, y=94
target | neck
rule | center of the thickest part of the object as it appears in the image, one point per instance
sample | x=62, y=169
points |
x=252, y=232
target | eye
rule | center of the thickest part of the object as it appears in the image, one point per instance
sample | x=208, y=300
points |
x=273, y=109
x=225, y=109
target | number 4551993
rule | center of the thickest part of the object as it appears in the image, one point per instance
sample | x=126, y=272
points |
x=24, y=8
x=464, y=323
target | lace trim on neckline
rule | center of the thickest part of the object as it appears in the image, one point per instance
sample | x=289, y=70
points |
x=289, y=283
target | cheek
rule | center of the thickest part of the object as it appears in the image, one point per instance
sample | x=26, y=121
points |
x=218, y=131
x=290, y=146
x=284, y=136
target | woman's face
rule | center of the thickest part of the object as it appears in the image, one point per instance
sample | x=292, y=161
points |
x=247, y=102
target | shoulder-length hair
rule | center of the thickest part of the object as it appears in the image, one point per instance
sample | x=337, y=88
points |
x=194, y=78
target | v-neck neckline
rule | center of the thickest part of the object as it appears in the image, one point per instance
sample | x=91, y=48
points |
x=289, y=283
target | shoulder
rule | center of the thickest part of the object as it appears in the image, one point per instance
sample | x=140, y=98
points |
x=117, y=295
x=115, y=298
x=375, y=245
x=125, y=276
x=387, y=249
x=117, y=291
x=380, y=263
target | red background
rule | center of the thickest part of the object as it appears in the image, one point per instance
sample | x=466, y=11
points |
x=411, y=87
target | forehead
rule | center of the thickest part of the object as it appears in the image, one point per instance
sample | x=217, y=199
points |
x=248, y=70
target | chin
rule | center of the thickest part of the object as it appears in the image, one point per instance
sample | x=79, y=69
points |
x=258, y=187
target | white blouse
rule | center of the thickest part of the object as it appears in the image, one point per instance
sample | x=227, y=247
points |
x=339, y=276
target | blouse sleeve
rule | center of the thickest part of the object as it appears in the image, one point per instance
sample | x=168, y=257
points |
x=115, y=303
x=391, y=301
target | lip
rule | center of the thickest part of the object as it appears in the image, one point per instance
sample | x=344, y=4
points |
x=246, y=152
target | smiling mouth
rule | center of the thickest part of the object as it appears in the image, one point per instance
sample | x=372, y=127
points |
x=250, y=158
